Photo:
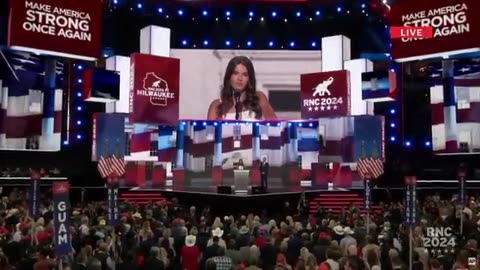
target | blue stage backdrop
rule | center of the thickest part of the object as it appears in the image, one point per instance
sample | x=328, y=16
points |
x=108, y=135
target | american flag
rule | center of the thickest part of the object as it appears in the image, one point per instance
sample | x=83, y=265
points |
x=111, y=166
x=370, y=167
x=30, y=116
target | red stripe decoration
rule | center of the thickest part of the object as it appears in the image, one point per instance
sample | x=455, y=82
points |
x=102, y=167
x=370, y=167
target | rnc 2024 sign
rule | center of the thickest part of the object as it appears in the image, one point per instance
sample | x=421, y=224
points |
x=56, y=27
x=455, y=23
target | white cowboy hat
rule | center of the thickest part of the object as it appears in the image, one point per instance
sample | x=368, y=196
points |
x=137, y=215
x=338, y=230
x=217, y=232
x=244, y=230
x=190, y=240
x=348, y=230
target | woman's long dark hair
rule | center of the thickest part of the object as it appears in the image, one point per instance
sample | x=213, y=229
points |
x=251, y=102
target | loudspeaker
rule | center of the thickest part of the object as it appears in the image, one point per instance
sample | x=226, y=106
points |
x=257, y=190
x=224, y=189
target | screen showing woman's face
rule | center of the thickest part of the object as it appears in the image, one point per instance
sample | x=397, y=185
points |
x=239, y=78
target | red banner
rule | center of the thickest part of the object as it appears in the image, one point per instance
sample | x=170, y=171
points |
x=57, y=27
x=154, y=89
x=325, y=94
x=455, y=23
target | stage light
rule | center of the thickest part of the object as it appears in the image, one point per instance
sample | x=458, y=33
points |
x=105, y=55
x=180, y=12
x=270, y=44
x=317, y=12
x=194, y=123
x=392, y=111
x=250, y=13
x=225, y=123
x=339, y=9
x=115, y=2
x=215, y=123
x=310, y=124
x=292, y=44
x=205, y=13
x=139, y=5
x=160, y=10
x=184, y=123
x=298, y=14
x=427, y=143
x=79, y=67
x=80, y=81
x=204, y=124
x=289, y=124
x=227, y=42
x=205, y=42
x=279, y=124
x=364, y=5
x=268, y=124
x=385, y=1
x=392, y=125
x=262, y=19
x=247, y=123
x=300, y=124
x=392, y=139
x=79, y=122
x=249, y=43
x=79, y=136
x=79, y=108
x=314, y=44
x=184, y=42
x=227, y=13
x=65, y=142
x=257, y=124
x=237, y=124
x=274, y=14
x=79, y=94
x=408, y=143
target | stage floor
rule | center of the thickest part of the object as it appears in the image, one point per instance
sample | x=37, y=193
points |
x=275, y=186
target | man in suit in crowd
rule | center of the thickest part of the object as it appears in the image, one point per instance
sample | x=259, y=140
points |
x=264, y=166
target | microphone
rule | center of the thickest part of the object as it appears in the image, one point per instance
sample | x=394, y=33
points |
x=238, y=103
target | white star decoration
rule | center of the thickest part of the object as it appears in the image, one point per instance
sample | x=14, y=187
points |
x=322, y=108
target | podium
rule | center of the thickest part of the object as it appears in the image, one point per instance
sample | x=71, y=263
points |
x=241, y=180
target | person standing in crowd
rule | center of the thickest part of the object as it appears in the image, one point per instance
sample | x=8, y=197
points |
x=240, y=77
x=264, y=167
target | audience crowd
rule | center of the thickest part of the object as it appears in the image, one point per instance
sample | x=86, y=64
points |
x=169, y=235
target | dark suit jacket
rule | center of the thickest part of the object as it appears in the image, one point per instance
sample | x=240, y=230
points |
x=264, y=167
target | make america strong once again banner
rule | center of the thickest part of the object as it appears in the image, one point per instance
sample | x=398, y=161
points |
x=455, y=23
x=57, y=27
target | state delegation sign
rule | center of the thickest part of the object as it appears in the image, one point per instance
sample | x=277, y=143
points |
x=57, y=27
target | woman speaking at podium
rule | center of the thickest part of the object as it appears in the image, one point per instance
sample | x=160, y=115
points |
x=239, y=98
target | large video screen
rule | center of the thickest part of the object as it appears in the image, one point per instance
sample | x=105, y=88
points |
x=277, y=74
x=198, y=146
x=30, y=115
x=456, y=113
